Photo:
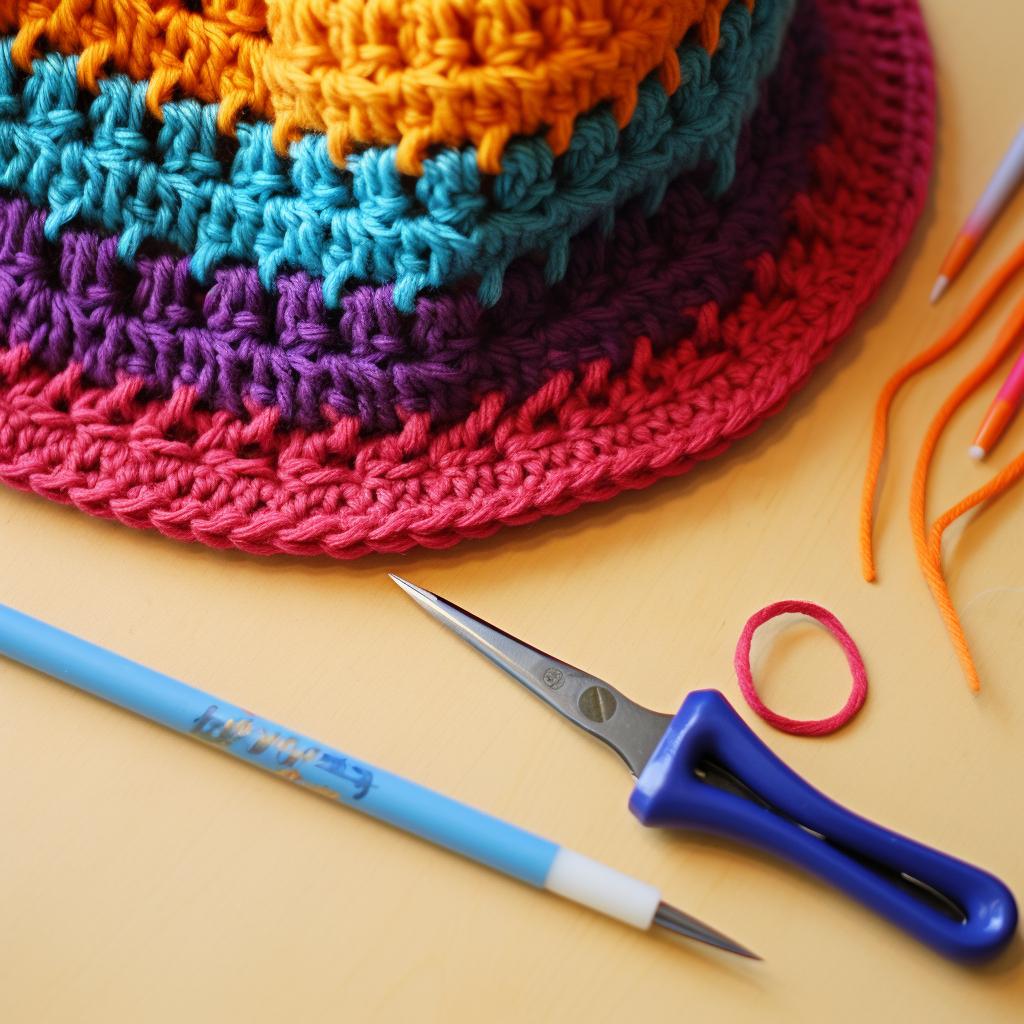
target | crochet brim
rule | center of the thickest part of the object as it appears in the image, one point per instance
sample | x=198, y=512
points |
x=224, y=481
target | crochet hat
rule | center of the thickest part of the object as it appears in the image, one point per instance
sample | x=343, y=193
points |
x=169, y=358
x=180, y=181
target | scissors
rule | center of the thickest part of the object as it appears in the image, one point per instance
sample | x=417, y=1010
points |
x=704, y=768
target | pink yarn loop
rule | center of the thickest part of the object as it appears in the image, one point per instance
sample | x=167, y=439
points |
x=802, y=727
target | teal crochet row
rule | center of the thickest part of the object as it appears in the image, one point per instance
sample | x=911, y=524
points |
x=104, y=161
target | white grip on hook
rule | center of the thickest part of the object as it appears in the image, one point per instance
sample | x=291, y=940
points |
x=602, y=888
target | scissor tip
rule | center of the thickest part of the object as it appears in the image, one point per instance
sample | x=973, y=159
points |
x=410, y=588
x=939, y=288
x=675, y=920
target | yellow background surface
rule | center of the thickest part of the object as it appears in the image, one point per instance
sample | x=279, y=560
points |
x=144, y=878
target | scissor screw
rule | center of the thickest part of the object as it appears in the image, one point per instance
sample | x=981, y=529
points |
x=597, y=703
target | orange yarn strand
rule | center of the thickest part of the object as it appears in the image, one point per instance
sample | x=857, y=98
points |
x=990, y=490
x=879, y=434
x=931, y=564
x=928, y=543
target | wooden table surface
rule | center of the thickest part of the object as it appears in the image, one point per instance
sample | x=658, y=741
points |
x=143, y=878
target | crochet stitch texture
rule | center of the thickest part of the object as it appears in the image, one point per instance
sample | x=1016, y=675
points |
x=413, y=72
x=105, y=163
x=241, y=348
x=423, y=73
x=213, y=53
x=228, y=480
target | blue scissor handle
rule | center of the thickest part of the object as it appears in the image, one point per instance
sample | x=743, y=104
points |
x=783, y=814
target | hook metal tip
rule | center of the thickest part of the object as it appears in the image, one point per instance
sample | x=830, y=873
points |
x=675, y=920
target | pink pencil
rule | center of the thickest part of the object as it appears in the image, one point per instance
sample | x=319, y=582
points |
x=1003, y=408
x=999, y=189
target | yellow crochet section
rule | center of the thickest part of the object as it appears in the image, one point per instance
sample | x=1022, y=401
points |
x=416, y=73
x=424, y=73
x=213, y=53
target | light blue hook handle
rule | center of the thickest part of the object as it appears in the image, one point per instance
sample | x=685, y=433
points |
x=784, y=815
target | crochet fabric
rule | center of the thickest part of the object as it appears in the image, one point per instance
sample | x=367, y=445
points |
x=414, y=72
x=103, y=161
x=239, y=346
x=132, y=395
x=422, y=73
x=213, y=51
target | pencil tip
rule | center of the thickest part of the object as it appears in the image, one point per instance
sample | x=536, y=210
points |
x=674, y=920
x=976, y=452
x=939, y=288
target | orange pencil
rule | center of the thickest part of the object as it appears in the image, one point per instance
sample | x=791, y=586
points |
x=1003, y=408
x=999, y=189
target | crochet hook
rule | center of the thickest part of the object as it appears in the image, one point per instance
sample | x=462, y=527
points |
x=997, y=192
x=339, y=777
x=704, y=768
x=1001, y=411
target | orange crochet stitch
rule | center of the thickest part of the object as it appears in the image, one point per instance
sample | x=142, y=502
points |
x=443, y=72
x=214, y=54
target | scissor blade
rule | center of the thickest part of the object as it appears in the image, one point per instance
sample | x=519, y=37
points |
x=630, y=730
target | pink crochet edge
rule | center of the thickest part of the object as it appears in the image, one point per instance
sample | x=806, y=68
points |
x=212, y=478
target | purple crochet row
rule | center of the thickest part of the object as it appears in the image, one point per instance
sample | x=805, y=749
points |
x=235, y=343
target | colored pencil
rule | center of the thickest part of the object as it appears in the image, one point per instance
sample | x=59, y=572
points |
x=1002, y=410
x=1001, y=186
x=341, y=778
